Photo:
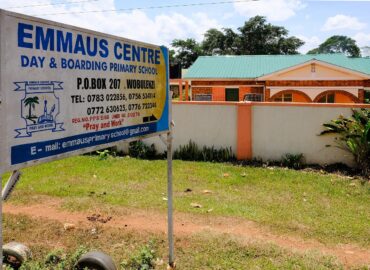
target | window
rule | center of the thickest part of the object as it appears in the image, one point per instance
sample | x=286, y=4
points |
x=313, y=68
x=175, y=90
x=328, y=98
x=253, y=97
x=203, y=97
x=367, y=96
x=286, y=97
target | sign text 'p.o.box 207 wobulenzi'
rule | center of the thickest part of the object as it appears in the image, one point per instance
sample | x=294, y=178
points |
x=66, y=90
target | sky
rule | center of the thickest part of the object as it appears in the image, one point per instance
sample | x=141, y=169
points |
x=311, y=21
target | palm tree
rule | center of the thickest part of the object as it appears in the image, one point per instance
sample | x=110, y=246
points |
x=30, y=102
x=353, y=136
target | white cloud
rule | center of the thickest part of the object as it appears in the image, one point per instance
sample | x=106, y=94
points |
x=340, y=22
x=160, y=29
x=310, y=43
x=274, y=10
x=362, y=39
x=228, y=15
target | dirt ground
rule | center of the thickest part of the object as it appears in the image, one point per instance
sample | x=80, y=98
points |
x=187, y=224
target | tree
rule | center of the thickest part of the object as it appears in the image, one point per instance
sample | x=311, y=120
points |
x=290, y=45
x=338, y=44
x=223, y=42
x=256, y=36
x=232, y=42
x=259, y=37
x=187, y=51
x=213, y=42
x=171, y=55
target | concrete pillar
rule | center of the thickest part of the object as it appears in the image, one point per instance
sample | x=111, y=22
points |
x=361, y=95
x=186, y=90
x=244, y=132
x=180, y=90
x=267, y=94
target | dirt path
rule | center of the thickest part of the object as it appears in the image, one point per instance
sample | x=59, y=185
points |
x=187, y=224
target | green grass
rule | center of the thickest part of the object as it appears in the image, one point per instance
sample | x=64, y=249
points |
x=202, y=251
x=325, y=207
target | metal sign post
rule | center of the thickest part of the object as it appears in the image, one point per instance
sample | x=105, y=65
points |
x=1, y=224
x=168, y=143
x=170, y=200
x=10, y=185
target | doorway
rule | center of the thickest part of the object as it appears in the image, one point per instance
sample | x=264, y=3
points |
x=232, y=94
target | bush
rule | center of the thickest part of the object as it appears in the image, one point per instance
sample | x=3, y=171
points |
x=191, y=151
x=138, y=149
x=293, y=161
x=353, y=135
x=144, y=260
x=104, y=154
x=55, y=260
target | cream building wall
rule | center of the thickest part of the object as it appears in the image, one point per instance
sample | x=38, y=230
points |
x=319, y=71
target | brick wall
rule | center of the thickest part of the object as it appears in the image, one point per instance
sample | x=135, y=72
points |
x=244, y=90
x=218, y=93
x=267, y=94
x=361, y=95
x=297, y=96
x=365, y=83
x=225, y=83
x=340, y=97
x=200, y=90
x=316, y=83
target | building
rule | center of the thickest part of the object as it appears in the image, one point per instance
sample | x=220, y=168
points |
x=322, y=78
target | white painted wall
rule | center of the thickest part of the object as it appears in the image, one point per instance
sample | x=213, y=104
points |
x=277, y=130
x=206, y=125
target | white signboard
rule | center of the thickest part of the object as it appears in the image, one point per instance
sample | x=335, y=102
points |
x=66, y=90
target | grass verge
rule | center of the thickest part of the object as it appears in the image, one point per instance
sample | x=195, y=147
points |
x=330, y=208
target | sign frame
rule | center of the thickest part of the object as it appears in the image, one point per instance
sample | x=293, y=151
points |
x=92, y=33
x=168, y=131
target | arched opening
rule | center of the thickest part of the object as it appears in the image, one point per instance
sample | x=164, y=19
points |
x=290, y=96
x=336, y=96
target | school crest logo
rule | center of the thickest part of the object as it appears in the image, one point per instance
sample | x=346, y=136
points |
x=40, y=107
